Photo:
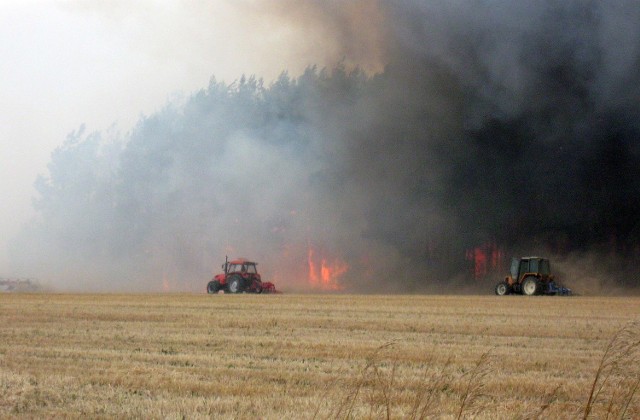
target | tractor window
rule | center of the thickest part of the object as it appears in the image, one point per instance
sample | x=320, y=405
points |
x=514, y=268
x=545, y=268
x=524, y=267
x=250, y=269
x=233, y=268
x=533, y=266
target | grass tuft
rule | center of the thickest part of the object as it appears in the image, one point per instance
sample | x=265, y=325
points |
x=616, y=381
x=475, y=385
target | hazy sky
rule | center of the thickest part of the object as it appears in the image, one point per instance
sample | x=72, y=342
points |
x=100, y=63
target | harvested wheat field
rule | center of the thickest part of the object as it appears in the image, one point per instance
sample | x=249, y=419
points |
x=318, y=356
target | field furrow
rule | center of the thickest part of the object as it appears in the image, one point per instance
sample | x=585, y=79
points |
x=328, y=356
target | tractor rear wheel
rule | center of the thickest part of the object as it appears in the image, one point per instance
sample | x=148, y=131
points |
x=235, y=284
x=502, y=288
x=530, y=286
x=213, y=287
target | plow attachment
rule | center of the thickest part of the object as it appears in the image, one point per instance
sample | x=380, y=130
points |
x=554, y=289
x=268, y=287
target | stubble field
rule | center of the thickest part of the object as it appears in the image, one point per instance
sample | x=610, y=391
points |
x=322, y=356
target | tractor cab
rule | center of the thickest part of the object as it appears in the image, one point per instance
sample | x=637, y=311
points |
x=240, y=267
x=529, y=265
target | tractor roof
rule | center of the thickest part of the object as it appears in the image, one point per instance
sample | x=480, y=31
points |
x=241, y=261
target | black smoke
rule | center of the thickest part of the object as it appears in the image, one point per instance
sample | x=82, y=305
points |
x=489, y=122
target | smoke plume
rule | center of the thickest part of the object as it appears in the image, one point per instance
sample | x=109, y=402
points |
x=433, y=128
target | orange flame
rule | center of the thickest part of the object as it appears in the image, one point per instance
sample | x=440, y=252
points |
x=327, y=275
x=313, y=275
x=485, y=258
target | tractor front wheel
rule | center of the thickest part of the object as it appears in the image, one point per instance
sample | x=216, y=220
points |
x=530, y=286
x=502, y=289
x=235, y=284
x=213, y=287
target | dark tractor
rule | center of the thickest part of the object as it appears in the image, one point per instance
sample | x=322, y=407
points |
x=240, y=276
x=530, y=276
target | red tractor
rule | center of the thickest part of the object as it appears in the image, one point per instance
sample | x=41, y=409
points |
x=239, y=276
